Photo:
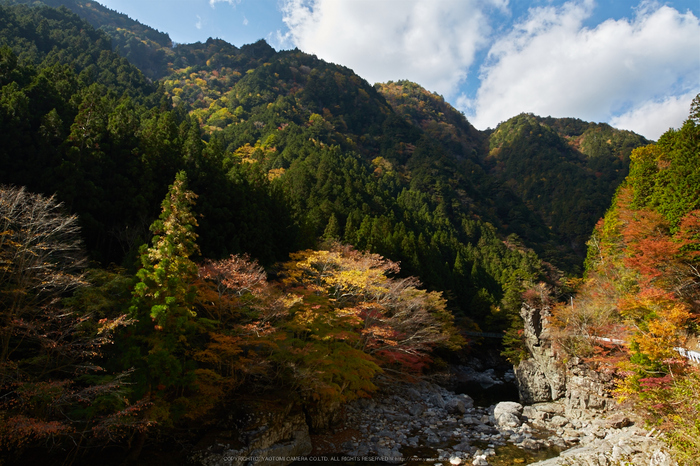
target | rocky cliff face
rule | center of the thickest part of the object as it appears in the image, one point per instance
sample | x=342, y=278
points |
x=588, y=389
x=581, y=409
x=546, y=377
x=542, y=377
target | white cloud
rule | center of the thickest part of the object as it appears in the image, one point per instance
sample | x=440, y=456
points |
x=230, y=2
x=199, y=22
x=549, y=64
x=245, y=21
x=429, y=42
x=653, y=118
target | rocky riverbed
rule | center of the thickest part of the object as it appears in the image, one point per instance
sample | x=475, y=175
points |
x=426, y=423
x=569, y=418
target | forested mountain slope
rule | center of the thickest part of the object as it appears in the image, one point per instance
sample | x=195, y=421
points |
x=552, y=207
x=566, y=170
x=80, y=121
x=152, y=51
x=391, y=168
x=177, y=190
x=420, y=184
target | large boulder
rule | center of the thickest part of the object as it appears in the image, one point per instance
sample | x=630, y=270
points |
x=510, y=407
x=508, y=414
x=455, y=406
x=459, y=404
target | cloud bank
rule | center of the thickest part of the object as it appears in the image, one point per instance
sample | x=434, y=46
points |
x=639, y=73
x=551, y=65
x=652, y=118
x=429, y=42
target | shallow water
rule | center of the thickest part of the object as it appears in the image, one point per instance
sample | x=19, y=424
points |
x=508, y=455
x=507, y=391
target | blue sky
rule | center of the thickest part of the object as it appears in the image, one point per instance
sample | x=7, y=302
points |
x=633, y=64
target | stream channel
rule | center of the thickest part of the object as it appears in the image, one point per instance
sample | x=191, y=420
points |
x=449, y=423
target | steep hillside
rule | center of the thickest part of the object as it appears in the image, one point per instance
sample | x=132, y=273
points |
x=464, y=158
x=422, y=181
x=45, y=37
x=311, y=152
x=355, y=170
x=537, y=189
x=436, y=117
x=147, y=48
x=642, y=287
x=81, y=121
x=152, y=51
x=566, y=170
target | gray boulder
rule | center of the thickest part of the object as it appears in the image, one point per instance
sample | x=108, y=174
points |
x=508, y=420
x=508, y=407
x=455, y=406
x=508, y=414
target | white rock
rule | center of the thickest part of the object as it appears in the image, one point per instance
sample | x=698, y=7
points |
x=508, y=407
x=508, y=420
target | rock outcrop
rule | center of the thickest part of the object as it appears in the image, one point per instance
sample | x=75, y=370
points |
x=259, y=432
x=588, y=389
x=575, y=403
x=629, y=445
x=542, y=377
x=321, y=417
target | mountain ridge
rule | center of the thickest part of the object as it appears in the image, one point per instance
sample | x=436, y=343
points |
x=274, y=109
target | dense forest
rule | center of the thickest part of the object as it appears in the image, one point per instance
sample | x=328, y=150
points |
x=181, y=222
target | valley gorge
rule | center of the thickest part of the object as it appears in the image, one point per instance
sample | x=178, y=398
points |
x=219, y=255
x=568, y=416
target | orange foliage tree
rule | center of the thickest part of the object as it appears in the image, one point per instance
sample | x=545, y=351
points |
x=52, y=385
x=335, y=320
x=398, y=322
x=242, y=308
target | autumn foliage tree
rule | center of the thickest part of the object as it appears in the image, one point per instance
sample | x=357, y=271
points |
x=51, y=384
x=236, y=281
x=336, y=319
x=40, y=258
x=243, y=308
x=398, y=323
